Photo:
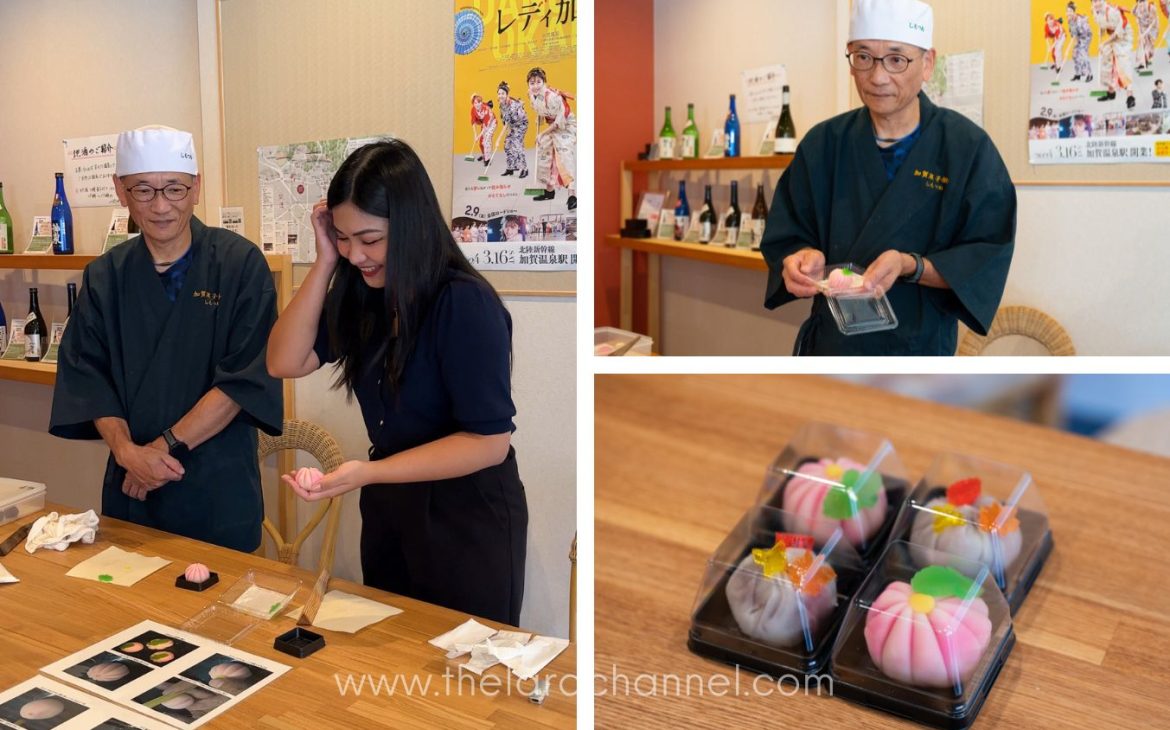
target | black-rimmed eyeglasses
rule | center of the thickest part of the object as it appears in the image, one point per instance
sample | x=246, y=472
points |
x=894, y=63
x=144, y=193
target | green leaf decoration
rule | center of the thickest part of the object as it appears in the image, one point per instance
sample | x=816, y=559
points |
x=838, y=504
x=942, y=582
x=106, y=578
x=274, y=608
x=842, y=504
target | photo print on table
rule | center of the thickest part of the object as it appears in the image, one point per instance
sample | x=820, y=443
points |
x=226, y=674
x=40, y=709
x=158, y=649
x=109, y=671
x=181, y=700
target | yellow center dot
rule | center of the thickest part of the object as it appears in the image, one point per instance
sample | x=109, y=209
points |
x=834, y=471
x=921, y=603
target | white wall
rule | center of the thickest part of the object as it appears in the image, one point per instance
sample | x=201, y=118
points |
x=1081, y=253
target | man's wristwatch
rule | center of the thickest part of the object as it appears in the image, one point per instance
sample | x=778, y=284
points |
x=176, y=448
x=919, y=267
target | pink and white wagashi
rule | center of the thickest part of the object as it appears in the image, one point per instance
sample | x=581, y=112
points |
x=966, y=523
x=828, y=494
x=930, y=632
x=770, y=587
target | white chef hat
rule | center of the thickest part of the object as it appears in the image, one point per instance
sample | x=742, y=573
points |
x=156, y=149
x=907, y=21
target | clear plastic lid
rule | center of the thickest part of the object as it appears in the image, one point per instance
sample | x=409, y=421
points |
x=770, y=600
x=924, y=642
x=257, y=596
x=967, y=510
x=834, y=477
x=856, y=309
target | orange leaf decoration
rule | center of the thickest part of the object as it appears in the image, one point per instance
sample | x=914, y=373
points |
x=798, y=568
x=989, y=515
x=964, y=491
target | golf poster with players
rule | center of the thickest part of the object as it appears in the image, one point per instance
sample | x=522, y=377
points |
x=514, y=187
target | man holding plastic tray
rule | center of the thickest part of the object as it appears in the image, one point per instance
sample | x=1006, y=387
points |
x=916, y=195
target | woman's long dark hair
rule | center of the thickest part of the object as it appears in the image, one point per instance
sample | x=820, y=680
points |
x=388, y=180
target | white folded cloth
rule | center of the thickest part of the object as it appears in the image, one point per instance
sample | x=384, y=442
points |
x=57, y=532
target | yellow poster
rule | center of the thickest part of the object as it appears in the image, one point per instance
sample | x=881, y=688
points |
x=1099, y=75
x=514, y=148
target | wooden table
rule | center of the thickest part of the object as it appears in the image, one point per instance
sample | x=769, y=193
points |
x=48, y=616
x=680, y=459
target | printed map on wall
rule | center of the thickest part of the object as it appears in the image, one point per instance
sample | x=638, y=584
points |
x=293, y=177
x=514, y=152
x=1100, y=70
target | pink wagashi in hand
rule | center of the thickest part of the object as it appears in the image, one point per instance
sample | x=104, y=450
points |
x=197, y=573
x=308, y=477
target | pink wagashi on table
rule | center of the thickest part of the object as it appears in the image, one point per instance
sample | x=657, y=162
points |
x=831, y=493
x=930, y=632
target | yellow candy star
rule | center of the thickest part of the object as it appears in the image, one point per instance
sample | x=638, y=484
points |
x=947, y=516
x=773, y=560
x=834, y=471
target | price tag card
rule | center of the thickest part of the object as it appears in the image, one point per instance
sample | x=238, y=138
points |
x=666, y=224
x=15, y=349
x=55, y=336
x=768, y=143
x=42, y=237
x=716, y=148
x=692, y=234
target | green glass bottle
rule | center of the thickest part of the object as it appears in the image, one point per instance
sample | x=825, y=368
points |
x=666, y=139
x=690, y=136
x=6, y=242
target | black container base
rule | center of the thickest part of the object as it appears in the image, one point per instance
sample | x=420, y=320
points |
x=299, y=642
x=182, y=582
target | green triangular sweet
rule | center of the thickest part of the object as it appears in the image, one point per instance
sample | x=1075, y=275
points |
x=942, y=582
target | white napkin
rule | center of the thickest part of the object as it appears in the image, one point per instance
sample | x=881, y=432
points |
x=490, y=652
x=341, y=611
x=57, y=532
x=6, y=577
x=535, y=656
x=469, y=633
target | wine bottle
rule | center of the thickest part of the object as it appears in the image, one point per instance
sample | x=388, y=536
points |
x=62, y=219
x=733, y=216
x=690, y=136
x=731, y=132
x=785, y=143
x=36, y=332
x=707, y=218
x=3, y=329
x=71, y=292
x=682, y=212
x=759, y=217
x=6, y=241
x=666, y=139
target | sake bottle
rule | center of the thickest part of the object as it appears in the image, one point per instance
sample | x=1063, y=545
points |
x=690, y=136
x=707, y=218
x=62, y=219
x=759, y=217
x=666, y=139
x=731, y=132
x=785, y=142
x=36, y=332
x=6, y=241
x=733, y=216
x=682, y=212
x=3, y=329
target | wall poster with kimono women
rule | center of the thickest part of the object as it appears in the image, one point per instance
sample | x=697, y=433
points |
x=514, y=187
x=1100, y=70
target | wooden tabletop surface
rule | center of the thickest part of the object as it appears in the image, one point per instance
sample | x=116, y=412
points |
x=48, y=616
x=680, y=458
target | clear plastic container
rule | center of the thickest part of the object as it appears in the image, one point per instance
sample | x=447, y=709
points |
x=771, y=602
x=257, y=596
x=832, y=476
x=19, y=497
x=608, y=339
x=856, y=310
x=923, y=643
x=966, y=507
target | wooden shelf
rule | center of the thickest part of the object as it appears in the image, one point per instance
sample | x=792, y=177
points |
x=708, y=253
x=77, y=262
x=28, y=372
x=771, y=162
